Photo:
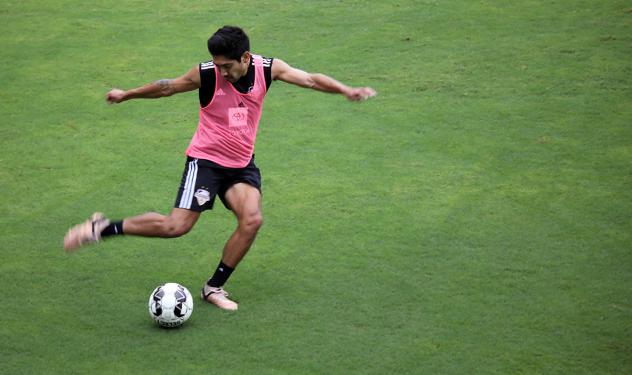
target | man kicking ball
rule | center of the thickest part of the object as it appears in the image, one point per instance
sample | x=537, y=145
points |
x=220, y=159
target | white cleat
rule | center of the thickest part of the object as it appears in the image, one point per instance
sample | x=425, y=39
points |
x=86, y=232
x=218, y=297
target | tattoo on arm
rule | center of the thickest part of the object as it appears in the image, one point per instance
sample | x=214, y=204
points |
x=164, y=82
x=166, y=87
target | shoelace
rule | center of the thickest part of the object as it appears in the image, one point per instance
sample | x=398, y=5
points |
x=222, y=292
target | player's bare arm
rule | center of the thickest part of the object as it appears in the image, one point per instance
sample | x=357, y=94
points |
x=158, y=89
x=321, y=82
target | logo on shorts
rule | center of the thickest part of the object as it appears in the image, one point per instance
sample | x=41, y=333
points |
x=202, y=196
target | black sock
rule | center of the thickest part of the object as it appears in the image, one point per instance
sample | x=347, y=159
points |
x=115, y=228
x=222, y=273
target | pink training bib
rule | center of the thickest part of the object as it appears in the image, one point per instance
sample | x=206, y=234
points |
x=227, y=128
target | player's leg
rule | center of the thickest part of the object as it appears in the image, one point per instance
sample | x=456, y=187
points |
x=245, y=202
x=177, y=223
x=192, y=199
x=188, y=206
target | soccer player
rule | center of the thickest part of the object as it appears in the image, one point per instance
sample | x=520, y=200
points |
x=220, y=159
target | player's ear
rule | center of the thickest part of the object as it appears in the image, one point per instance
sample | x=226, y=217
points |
x=245, y=58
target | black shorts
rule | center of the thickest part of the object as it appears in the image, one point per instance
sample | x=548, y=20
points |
x=202, y=180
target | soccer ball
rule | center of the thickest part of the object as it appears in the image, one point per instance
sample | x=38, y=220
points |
x=170, y=305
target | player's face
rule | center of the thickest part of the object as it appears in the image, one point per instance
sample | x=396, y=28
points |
x=232, y=70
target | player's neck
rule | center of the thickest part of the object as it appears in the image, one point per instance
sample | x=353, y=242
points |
x=245, y=68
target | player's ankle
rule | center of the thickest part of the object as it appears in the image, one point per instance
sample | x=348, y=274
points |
x=114, y=229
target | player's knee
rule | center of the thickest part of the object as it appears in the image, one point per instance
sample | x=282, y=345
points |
x=252, y=223
x=176, y=229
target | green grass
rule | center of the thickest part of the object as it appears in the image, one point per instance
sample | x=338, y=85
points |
x=475, y=217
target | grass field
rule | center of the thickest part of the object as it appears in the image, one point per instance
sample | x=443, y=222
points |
x=474, y=218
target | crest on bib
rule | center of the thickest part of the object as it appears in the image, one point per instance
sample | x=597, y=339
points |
x=238, y=117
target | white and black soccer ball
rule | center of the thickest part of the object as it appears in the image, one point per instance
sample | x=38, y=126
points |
x=170, y=305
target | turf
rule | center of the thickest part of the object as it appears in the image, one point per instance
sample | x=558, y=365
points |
x=475, y=217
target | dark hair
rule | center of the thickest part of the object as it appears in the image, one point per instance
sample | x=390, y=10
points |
x=230, y=42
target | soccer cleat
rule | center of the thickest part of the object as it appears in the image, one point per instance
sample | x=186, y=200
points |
x=86, y=232
x=218, y=297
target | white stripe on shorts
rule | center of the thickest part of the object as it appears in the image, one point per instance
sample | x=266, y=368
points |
x=189, y=185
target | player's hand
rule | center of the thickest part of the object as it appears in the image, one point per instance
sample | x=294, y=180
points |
x=360, y=93
x=115, y=96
